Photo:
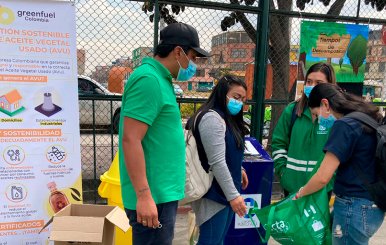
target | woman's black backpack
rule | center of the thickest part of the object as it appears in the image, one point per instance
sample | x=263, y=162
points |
x=378, y=188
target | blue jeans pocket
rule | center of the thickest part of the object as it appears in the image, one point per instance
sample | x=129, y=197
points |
x=372, y=218
x=355, y=220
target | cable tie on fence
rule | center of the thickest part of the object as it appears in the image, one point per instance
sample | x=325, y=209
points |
x=300, y=13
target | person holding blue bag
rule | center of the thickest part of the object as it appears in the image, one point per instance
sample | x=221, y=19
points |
x=350, y=151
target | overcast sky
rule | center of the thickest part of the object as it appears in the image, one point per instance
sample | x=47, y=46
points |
x=111, y=29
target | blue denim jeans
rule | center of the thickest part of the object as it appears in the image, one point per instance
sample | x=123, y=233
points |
x=161, y=236
x=355, y=220
x=213, y=231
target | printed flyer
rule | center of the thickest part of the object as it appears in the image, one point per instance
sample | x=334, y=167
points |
x=40, y=167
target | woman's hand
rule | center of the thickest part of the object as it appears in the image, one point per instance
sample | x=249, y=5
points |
x=244, y=179
x=238, y=206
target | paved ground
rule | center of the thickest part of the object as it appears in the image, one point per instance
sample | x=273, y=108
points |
x=183, y=220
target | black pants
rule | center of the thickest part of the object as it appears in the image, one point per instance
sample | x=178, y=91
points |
x=161, y=236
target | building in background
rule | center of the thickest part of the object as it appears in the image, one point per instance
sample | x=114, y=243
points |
x=203, y=80
x=117, y=78
x=230, y=53
x=124, y=61
x=101, y=74
x=113, y=76
x=81, y=59
x=374, y=84
x=140, y=53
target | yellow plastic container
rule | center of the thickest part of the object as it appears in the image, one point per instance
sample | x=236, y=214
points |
x=110, y=188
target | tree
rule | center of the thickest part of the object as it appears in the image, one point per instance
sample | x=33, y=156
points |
x=356, y=52
x=279, y=36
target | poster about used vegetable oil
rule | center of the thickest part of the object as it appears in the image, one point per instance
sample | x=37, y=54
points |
x=40, y=168
x=344, y=46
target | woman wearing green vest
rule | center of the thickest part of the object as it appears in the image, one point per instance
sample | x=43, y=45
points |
x=298, y=139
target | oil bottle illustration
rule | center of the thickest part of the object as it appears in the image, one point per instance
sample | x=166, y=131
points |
x=57, y=198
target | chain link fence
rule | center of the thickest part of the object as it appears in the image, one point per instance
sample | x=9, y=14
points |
x=114, y=35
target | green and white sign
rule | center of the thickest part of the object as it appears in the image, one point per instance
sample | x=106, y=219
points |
x=344, y=46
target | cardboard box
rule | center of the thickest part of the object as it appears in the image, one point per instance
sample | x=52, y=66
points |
x=87, y=224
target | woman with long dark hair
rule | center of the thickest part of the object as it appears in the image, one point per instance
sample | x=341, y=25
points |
x=350, y=152
x=219, y=130
x=297, y=140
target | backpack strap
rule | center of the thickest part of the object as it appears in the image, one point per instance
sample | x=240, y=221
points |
x=369, y=122
x=364, y=118
x=197, y=120
x=197, y=136
x=200, y=115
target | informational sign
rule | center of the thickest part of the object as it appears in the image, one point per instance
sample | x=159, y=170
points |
x=40, y=167
x=333, y=46
x=251, y=201
x=344, y=46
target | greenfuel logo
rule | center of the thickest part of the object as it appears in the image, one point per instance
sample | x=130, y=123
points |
x=6, y=15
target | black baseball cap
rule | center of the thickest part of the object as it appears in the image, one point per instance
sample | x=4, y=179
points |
x=184, y=35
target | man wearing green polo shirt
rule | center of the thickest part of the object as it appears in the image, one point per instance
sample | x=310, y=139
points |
x=151, y=139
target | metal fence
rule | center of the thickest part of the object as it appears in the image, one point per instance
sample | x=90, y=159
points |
x=255, y=40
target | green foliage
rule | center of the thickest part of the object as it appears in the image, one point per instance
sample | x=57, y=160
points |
x=187, y=109
x=356, y=52
x=345, y=74
x=267, y=113
x=310, y=32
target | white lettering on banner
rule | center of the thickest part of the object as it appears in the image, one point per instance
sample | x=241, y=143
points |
x=29, y=133
x=21, y=225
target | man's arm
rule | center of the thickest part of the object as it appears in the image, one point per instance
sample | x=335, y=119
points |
x=133, y=133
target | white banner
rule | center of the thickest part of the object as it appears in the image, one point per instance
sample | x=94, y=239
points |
x=40, y=167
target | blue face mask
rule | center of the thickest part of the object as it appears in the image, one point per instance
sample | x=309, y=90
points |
x=234, y=106
x=307, y=90
x=188, y=73
x=327, y=122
